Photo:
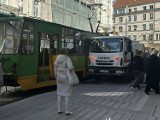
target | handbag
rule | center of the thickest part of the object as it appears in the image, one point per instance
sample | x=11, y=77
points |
x=72, y=78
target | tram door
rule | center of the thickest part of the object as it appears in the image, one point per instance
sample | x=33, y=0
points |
x=47, y=55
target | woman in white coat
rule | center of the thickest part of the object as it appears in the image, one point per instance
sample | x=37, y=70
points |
x=64, y=89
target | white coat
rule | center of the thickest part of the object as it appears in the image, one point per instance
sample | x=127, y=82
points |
x=62, y=63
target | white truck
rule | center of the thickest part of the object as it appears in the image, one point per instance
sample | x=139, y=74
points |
x=111, y=55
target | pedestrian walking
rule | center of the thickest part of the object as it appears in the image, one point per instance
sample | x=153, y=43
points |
x=64, y=89
x=1, y=78
x=145, y=56
x=153, y=73
x=138, y=69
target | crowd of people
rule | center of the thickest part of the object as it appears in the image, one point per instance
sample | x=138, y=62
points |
x=146, y=67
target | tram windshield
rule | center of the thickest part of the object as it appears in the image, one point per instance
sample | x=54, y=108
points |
x=10, y=34
x=109, y=45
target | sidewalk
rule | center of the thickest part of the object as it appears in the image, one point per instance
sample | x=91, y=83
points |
x=90, y=102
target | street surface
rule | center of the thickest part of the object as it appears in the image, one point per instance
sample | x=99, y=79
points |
x=15, y=94
x=100, y=100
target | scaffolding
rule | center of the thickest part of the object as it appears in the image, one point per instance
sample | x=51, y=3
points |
x=73, y=14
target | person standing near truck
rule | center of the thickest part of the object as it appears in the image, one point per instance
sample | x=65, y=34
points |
x=153, y=69
x=138, y=68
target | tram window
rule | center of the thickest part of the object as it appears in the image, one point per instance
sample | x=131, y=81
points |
x=68, y=40
x=53, y=44
x=10, y=36
x=44, y=49
x=27, y=45
x=79, y=43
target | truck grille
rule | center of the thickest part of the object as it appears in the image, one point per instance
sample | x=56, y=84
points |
x=100, y=62
x=104, y=63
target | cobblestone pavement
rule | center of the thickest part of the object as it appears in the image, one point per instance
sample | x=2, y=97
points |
x=103, y=101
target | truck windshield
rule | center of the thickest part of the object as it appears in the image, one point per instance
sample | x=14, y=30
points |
x=103, y=45
x=10, y=34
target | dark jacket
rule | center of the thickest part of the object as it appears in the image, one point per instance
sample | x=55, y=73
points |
x=153, y=67
x=138, y=64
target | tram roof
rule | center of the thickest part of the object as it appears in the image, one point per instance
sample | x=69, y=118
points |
x=9, y=18
x=4, y=14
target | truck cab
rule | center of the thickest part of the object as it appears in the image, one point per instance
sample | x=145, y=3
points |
x=110, y=55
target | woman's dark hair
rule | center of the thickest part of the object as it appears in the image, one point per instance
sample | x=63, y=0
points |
x=63, y=51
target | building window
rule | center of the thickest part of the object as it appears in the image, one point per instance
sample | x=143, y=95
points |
x=135, y=27
x=135, y=9
x=120, y=11
x=157, y=36
x=150, y=36
x=129, y=18
x=144, y=16
x=144, y=37
x=21, y=6
x=129, y=28
x=144, y=26
x=121, y=19
x=151, y=26
x=113, y=28
x=151, y=15
x=3, y=2
x=134, y=37
x=36, y=8
x=114, y=19
x=130, y=10
x=151, y=6
x=144, y=7
x=115, y=12
x=135, y=17
x=120, y=28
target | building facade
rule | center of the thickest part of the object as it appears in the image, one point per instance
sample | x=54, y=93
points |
x=39, y=9
x=73, y=13
x=139, y=20
x=106, y=15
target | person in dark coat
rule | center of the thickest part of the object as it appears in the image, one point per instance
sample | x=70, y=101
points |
x=153, y=73
x=145, y=57
x=138, y=68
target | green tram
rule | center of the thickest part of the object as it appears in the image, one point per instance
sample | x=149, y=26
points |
x=29, y=47
x=4, y=15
